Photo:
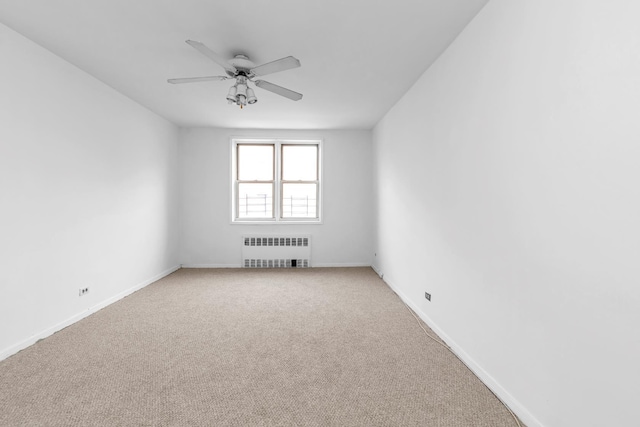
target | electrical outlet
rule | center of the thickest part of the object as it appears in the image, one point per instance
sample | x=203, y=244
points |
x=427, y=295
x=84, y=291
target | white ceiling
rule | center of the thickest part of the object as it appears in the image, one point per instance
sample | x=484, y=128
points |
x=358, y=56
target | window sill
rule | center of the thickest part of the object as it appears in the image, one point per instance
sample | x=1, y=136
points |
x=274, y=222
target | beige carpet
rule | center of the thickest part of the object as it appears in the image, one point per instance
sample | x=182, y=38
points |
x=201, y=347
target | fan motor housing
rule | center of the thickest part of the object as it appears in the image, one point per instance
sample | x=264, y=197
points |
x=242, y=63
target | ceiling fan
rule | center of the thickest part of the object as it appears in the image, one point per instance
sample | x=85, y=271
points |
x=243, y=71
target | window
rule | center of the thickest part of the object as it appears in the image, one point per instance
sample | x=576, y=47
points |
x=276, y=181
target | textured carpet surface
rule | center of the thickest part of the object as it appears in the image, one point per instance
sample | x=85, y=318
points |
x=231, y=347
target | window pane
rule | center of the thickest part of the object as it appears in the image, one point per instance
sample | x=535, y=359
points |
x=299, y=162
x=299, y=201
x=255, y=200
x=255, y=162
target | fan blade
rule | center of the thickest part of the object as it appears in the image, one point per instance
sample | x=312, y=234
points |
x=275, y=66
x=212, y=56
x=197, y=79
x=287, y=93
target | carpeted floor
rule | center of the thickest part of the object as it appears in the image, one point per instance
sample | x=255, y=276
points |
x=231, y=347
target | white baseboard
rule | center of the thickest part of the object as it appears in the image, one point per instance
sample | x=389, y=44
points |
x=338, y=265
x=211, y=265
x=378, y=272
x=484, y=376
x=73, y=319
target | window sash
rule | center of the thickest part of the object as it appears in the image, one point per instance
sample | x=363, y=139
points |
x=284, y=182
x=301, y=205
x=268, y=202
x=273, y=159
x=283, y=146
x=239, y=182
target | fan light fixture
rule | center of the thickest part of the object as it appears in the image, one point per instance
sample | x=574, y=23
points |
x=243, y=71
x=240, y=93
x=251, y=97
x=231, y=96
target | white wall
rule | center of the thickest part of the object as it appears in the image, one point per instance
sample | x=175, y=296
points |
x=209, y=239
x=88, y=193
x=508, y=185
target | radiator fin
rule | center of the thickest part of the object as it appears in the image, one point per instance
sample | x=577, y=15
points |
x=276, y=241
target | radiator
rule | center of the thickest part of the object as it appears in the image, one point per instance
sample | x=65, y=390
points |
x=276, y=251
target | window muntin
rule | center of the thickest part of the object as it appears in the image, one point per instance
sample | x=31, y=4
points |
x=266, y=171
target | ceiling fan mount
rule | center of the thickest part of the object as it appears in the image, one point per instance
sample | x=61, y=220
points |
x=243, y=70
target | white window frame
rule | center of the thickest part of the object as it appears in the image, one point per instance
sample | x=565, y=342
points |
x=278, y=181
